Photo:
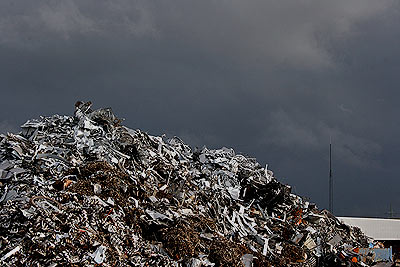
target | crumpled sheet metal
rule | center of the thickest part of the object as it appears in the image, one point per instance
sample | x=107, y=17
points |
x=85, y=190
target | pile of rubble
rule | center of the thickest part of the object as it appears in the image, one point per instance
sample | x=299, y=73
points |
x=84, y=190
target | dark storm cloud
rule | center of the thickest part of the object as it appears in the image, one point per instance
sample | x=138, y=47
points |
x=273, y=79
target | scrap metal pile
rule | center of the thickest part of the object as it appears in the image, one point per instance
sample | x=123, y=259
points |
x=83, y=190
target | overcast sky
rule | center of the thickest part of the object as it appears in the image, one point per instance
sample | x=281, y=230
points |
x=271, y=79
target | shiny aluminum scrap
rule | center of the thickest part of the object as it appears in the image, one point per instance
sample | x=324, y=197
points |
x=85, y=190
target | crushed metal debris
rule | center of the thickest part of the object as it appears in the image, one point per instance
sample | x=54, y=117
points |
x=84, y=190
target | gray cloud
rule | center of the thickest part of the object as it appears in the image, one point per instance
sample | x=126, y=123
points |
x=344, y=109
x=288, y=132
x=7, y=127
x=279, y=31
x=38, y=23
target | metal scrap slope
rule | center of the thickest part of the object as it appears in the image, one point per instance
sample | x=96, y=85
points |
x=377, y=228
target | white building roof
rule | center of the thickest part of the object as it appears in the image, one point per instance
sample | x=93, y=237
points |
x=377, y=228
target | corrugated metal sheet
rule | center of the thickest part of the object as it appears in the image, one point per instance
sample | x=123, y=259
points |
x=380, y=254
x=377, y=228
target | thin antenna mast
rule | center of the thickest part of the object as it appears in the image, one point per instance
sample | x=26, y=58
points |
x=330, y=178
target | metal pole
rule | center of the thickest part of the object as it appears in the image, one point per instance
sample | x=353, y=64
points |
x=330, y=179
